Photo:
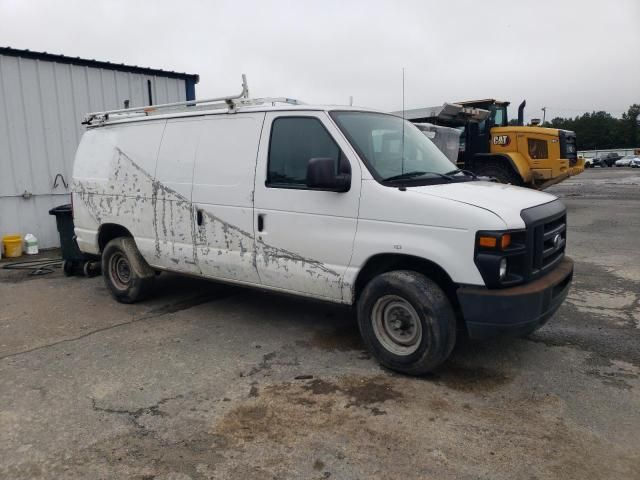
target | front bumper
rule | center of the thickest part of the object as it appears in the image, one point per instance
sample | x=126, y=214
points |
x=518, y=310
x=552, y=181
x=577, y=169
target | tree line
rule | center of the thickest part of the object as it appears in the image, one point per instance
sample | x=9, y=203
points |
x=601, y=130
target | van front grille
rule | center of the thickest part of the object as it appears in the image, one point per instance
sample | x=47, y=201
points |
x=549, y=240
x=546, y=237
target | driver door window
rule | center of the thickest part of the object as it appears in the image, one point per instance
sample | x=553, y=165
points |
x=295, y=141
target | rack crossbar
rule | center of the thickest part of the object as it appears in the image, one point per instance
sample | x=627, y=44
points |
x=230, y=102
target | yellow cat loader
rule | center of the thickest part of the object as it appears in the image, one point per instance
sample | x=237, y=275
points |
x=529, y=156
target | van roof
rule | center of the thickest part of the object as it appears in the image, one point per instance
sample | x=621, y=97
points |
x=119, y=118
x=115, y=119
x=230, y=104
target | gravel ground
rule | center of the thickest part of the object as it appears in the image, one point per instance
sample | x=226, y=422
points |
x=211, y=381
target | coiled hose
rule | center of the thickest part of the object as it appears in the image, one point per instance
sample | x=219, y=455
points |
x=37, y=267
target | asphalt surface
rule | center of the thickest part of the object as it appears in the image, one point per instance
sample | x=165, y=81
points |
x=210, y=381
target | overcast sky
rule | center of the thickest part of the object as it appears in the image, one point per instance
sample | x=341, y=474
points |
x=569, y=55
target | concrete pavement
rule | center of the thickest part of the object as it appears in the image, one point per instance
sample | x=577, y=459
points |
x=211, y=381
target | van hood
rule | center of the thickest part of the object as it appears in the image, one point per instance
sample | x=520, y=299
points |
x=506, y=201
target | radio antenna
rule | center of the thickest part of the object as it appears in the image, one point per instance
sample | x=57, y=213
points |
x=402, y=162
x=403, y=93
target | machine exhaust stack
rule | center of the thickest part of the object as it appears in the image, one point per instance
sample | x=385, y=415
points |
x=521, y=113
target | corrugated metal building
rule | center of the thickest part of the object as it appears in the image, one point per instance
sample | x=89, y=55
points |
x=43, y=99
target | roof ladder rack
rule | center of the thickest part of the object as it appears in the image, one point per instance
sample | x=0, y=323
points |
x=229, y=102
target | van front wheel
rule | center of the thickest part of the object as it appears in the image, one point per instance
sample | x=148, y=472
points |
x=407, y=322
x=126, y=274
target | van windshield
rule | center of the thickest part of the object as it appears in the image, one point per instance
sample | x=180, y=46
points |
x=392, y=148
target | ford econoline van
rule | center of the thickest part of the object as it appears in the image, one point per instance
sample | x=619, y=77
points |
x=341, y=204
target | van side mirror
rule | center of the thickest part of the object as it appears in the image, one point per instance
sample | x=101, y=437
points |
x=321, y=174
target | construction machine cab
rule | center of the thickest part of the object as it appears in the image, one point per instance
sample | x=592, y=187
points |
x=497, y=110
x=521, y=155
x=477, y=134
x=475, y=118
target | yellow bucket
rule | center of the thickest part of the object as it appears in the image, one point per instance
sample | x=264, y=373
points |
x=12, y=246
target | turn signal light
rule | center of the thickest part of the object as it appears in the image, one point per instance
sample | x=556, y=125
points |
x=501, y=242
x=488, y=242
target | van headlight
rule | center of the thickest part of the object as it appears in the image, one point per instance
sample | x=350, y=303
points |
x=500, y=257
x=503, y=269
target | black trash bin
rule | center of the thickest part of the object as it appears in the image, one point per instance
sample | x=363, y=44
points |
x=73, y=259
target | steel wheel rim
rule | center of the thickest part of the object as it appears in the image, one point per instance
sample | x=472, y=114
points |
x=120, y=271
x=396, y=325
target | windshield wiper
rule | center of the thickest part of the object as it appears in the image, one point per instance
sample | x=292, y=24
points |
x=469, y=173
x=414, y=174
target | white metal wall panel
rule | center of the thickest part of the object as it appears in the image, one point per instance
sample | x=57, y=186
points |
x=41, y=106
x=7, y=180
x=32, y=216
x=50, y=121
x=18, y=162
x=68, y=126
x=38, y=181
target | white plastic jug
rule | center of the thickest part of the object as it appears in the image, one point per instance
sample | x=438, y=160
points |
x=30, y=244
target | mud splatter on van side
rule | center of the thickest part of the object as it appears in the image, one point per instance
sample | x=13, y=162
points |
x=131, y=189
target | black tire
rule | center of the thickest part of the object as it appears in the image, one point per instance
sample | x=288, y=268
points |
x=126, y=274
x=502, y=172
x=409, y=293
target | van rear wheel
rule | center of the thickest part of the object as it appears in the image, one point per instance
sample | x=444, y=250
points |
x=126, y=274
x=407, y=322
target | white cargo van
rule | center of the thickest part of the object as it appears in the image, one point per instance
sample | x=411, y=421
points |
x=335, y=203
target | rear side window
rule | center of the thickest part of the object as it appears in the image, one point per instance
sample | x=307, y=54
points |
x=295, y=141
x=537, y=148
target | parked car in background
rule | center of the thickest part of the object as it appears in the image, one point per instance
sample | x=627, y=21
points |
x=606, y=160
x=635, y=162
x=588, y=162
x=624, y=161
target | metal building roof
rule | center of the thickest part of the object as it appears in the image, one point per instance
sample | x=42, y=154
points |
x=52, y=57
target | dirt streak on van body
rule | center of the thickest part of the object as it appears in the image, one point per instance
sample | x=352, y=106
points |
x=131, y=195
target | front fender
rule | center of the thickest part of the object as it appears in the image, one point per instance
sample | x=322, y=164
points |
x=450, y=249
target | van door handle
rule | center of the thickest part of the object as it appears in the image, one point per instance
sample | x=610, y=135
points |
x=260, y=222
x=199, y=217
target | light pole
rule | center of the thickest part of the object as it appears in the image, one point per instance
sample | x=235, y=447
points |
x=544, y=114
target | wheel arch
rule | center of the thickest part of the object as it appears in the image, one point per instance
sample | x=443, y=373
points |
x=386, y=262
x=109, y=231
